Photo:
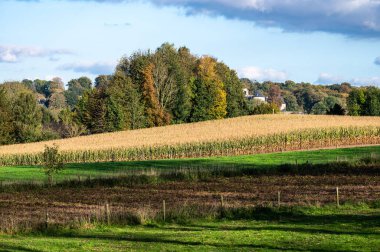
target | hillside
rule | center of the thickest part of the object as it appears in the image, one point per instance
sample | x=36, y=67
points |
x=233, y=128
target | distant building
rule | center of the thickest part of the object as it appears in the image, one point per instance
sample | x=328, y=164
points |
x=246, y=94
x=258, y=96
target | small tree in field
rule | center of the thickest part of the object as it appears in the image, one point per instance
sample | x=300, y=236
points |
x=52, y=162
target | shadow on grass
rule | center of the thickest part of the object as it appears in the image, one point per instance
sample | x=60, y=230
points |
x=170, y=240
x=334, y=224
x=7, y=247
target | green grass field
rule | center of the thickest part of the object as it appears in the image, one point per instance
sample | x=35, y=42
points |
x=349, y=228
x=72, y=171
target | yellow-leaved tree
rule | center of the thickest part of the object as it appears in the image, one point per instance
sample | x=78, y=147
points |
x=210, y=101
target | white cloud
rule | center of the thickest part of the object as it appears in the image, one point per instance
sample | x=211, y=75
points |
x=356, y=18
x=89, y=67
x=12, y=54
x=260, y=74
x=325, y=78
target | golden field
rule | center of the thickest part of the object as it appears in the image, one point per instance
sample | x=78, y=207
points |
x=233, y=128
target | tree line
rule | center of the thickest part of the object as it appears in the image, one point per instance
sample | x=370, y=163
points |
x=149, y=89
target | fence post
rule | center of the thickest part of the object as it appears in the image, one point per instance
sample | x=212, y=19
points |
x=337, y=196
x=47, y=219
x=108, y=213
x=278, y=198
x=164, y=209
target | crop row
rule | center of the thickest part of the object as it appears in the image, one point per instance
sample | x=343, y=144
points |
x=295, y=140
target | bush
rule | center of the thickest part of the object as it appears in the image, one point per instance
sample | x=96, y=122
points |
x=52, y=162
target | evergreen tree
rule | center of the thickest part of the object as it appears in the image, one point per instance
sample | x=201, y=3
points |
x=127, y=95
x=236, y=103
x=27, y=119
x=185, y=86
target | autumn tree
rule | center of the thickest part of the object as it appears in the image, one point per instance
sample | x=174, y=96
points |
x=154, y=112
x=274, y=95
x=210, y=97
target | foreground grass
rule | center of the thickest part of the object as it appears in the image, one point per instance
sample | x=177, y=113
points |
x=349, y=228
x=73, y=171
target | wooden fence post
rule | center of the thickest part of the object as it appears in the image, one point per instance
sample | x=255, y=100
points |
x=337, y=196
x=278, y=198
x=164, y=209
x=47, y=219
x=108, y=213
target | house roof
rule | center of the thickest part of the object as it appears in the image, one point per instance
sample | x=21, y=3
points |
x=259, y=94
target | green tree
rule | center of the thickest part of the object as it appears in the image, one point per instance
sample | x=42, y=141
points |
x=75, y=90
x=291, y=102
x=69, y=125
x=355, y=102
x=236, y=103
x=372, y=103
x=6, y=117
x=319, y=108
x=52, y=162
x=127, y=95
x=99, y=112
x=184, y=69
x=265, y=108
x=27, y=117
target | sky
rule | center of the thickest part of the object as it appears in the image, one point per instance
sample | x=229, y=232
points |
x=321, y=42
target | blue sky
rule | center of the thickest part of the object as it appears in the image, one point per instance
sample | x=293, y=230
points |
x=328, y=41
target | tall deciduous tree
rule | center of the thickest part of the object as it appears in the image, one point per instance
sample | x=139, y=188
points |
x=210, y=99
x=155, y=114
x=355, y=102
x=274, y=95
x=76, y=88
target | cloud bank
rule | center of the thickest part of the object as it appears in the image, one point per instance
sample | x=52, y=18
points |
x=353, y=18
x=325, y=78
x=260, y=74
x=95, y=68
x=12, y=54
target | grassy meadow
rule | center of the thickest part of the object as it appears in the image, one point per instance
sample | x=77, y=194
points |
x=349, y=228
x=14, y=174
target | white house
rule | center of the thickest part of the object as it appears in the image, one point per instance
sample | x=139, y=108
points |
x=258, y=96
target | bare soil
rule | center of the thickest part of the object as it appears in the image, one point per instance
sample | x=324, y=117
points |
x=68, y=204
